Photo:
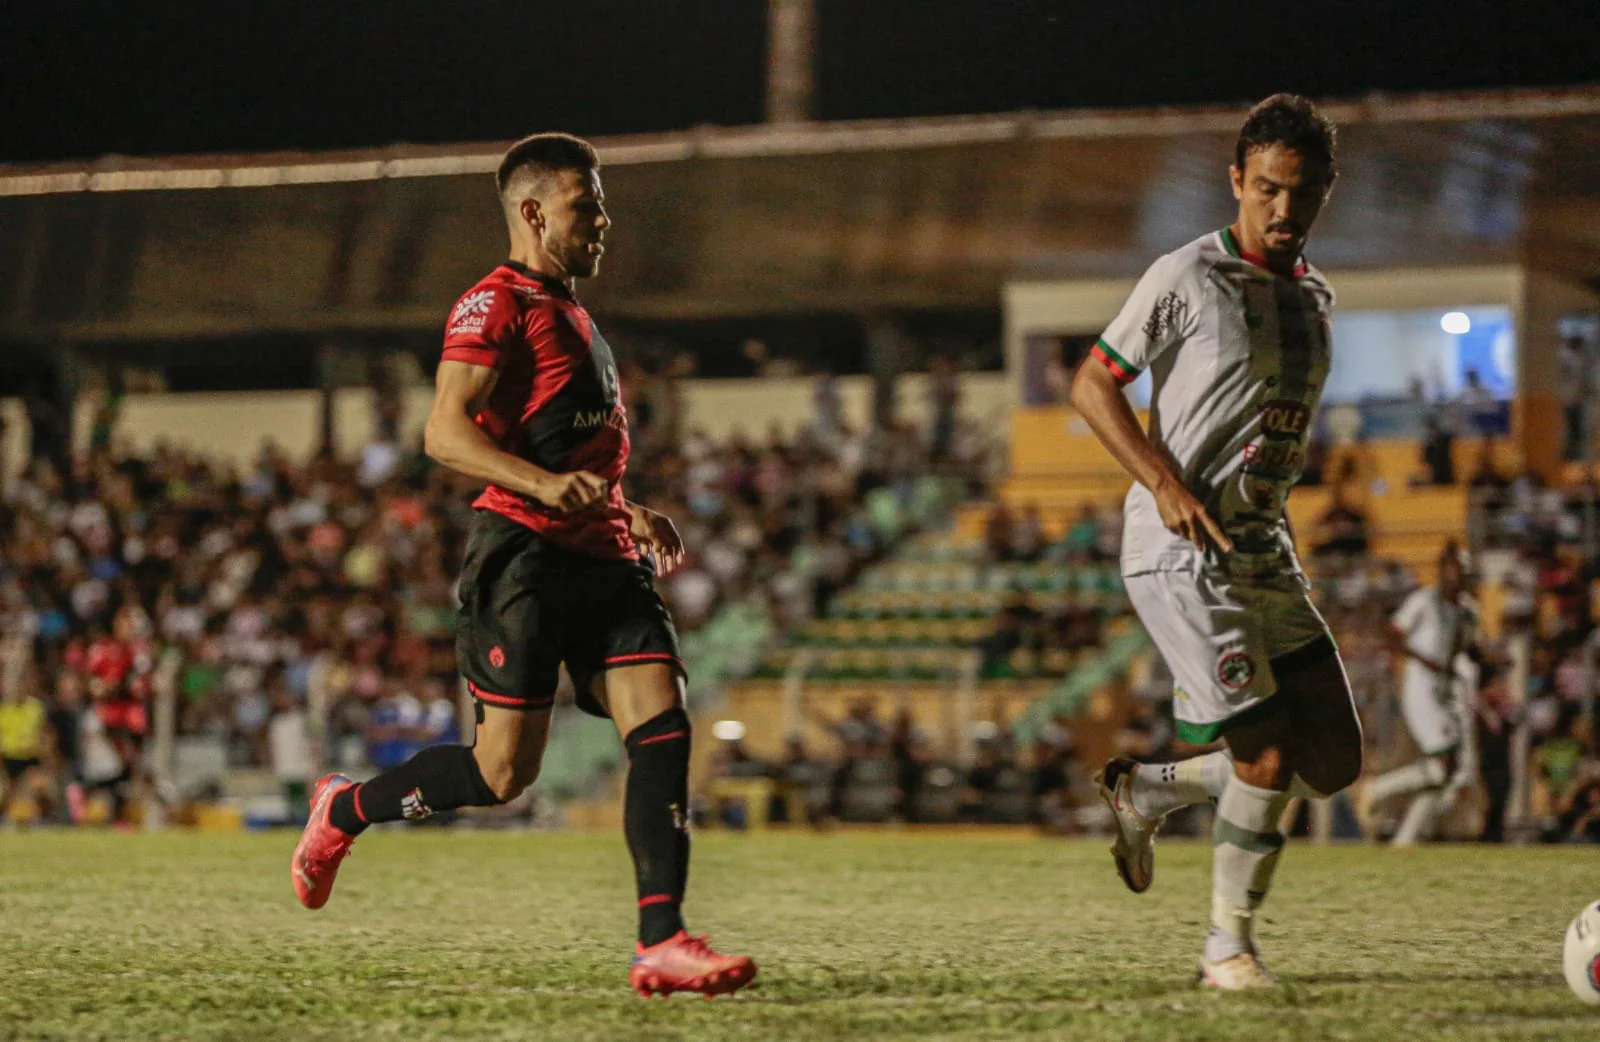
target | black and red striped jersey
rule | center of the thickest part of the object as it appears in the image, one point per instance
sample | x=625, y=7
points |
x=557, y=402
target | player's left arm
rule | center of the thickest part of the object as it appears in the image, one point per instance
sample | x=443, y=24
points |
x=656, y=531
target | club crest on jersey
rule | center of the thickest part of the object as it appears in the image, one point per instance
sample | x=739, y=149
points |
x=497, y=656
x=1236, y=670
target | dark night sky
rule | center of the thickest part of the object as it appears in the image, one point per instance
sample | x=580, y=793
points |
x=88, y=78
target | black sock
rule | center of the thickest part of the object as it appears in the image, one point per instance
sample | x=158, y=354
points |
x=656, y=821
x=440, y=777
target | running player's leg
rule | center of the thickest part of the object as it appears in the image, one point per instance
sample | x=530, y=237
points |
x=1305, y=738
x=1158, y=789
x=503, y=761
x=1430, y=800
x=509, y=639
x=646, y=704
x=627, y=665
x=1436, y=729
x=1327, y=753
x=1247, y=842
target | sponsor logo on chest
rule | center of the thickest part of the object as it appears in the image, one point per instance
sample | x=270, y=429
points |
x=592, y=419
x=1285, y=417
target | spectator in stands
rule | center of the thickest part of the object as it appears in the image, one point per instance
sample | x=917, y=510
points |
x=908, y=747
x=1486, y=479
x=1578, y=811
x=828, y=415
x=864, y=784
x=1475, y=404
x=1577, y=391
x=289, y=751
x=1148, y=735
x=1079, y=543
x=1027, y=542
x=983, y=780
x=997, y=534
x=1341, y=531
x=336, y=573
x=1018, y=626
x=859, y=726
x=24, y=749
x=944, y=396
x=66, y=729
x=1316, y=461
x=998, y=791
x=1054, y=801
x=1438, y=452
x=733, y=760
x=803, y=793
x=1495, y=718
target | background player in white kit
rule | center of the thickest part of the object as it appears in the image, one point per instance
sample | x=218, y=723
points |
x=1235, y=330
x=1435, y=630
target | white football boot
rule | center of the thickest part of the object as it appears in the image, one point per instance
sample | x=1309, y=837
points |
x=1134, y=851
x=1242, y=972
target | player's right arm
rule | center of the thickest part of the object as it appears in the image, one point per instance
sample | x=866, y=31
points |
x=453, y=438
x=486, y=324
x=1155, y=319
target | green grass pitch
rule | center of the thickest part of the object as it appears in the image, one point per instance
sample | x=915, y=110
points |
x=433, y=935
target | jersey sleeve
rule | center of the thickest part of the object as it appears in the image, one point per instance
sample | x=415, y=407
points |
x=1409, y=613
x=481, y=326
x=1162, y=311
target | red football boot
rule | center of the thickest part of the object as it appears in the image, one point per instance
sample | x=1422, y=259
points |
x=322, y=846
x=685, y=963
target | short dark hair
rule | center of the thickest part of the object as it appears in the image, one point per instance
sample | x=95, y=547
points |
x=546, y=153
x=1291, y=121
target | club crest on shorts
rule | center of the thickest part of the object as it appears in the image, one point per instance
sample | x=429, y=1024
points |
x=497, y=657
x=1235, y=671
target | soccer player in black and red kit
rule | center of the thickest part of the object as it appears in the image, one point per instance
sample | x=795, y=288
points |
x=527, y=399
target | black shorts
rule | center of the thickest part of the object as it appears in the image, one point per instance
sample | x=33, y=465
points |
x=527, y=606
x=17, y=768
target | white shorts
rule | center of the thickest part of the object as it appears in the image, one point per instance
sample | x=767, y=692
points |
x=1226, y=639
x=1435, y=713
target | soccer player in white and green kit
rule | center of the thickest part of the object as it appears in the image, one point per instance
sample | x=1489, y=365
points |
x=1234, y=328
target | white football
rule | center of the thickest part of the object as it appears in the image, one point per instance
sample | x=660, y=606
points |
x=1581, y=957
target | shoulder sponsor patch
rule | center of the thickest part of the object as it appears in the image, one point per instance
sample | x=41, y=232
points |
x=477, y=302
x=1166, y=316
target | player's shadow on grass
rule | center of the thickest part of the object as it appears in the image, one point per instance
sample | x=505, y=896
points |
x=1483, y=976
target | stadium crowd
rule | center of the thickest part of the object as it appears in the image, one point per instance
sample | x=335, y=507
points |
x=278, y=598
x=288, y=606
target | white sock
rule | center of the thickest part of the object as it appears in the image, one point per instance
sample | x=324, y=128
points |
x=1425, y=810
x=1413, y=777
x=1158, y=789
x=1246, y=845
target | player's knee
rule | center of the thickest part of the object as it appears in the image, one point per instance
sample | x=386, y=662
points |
x=1341, y=775
x=1334, y=770
x=1266, y=768
x=508, y=778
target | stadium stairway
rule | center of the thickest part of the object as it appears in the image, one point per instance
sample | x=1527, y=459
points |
x=1058, y=466
x=903, y=635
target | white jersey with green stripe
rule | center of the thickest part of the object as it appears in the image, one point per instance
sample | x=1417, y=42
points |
x=1237, y=357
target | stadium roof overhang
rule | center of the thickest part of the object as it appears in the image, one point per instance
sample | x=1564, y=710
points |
x=829, y=217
